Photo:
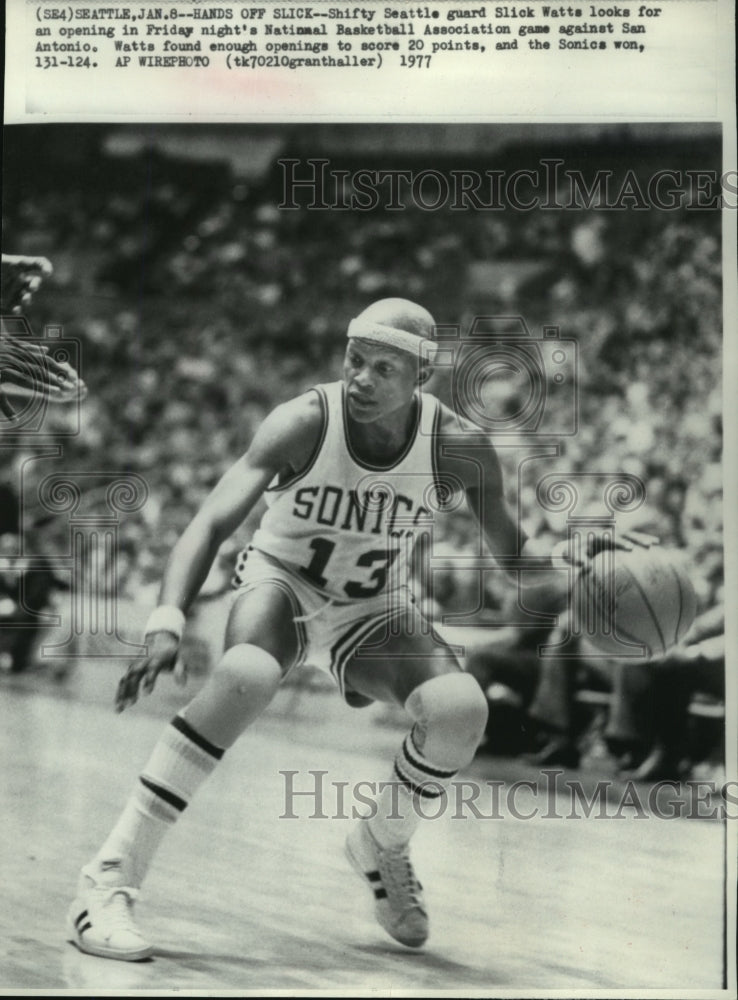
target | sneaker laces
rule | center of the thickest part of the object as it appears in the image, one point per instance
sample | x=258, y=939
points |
x=397, y=873
x=118, y=902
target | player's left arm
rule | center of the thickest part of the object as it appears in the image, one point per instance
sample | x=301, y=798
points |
x=471, y=458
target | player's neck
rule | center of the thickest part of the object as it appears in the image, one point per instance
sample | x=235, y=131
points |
x=385, y=438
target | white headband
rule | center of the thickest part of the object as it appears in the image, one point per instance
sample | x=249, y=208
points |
x=401, y=340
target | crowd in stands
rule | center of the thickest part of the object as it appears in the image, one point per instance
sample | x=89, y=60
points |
x=199, y=306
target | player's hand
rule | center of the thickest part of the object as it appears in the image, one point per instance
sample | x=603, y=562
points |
x=624, y=541
x=142, y=673
x=27, y=366
x=21, y=277
x=621, y=541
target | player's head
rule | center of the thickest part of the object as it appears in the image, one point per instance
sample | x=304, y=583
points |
x=399, y=315
x=402, y=327
x=388, y=355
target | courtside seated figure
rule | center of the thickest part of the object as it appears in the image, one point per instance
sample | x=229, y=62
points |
x=322, y=582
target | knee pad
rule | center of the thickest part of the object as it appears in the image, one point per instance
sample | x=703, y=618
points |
x=450, y=714
x=247, y=671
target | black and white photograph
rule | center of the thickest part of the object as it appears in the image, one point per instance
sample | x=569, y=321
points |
x=367, y=532
x=477, y=369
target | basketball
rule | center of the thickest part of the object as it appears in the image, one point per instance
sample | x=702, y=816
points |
x=639, y=598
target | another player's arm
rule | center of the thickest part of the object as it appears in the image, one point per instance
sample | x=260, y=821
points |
x=26, y=367
x=280, y=445
x=20, y=277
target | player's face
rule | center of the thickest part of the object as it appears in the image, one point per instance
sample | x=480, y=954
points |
x=379, y=382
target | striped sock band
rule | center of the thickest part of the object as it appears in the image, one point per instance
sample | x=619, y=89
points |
x=414, y=777
x=179, y=763
x=417, y=773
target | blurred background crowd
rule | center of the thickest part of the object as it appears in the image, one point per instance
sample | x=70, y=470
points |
x=199, y=304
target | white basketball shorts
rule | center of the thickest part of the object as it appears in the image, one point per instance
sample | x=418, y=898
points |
x=328, y=632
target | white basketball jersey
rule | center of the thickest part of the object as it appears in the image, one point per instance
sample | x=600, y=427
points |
x=346, y=526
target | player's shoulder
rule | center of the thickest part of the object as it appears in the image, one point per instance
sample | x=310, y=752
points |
x=294, y=426
x=303, y=411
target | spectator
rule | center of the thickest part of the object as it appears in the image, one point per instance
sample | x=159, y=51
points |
x=654, y=699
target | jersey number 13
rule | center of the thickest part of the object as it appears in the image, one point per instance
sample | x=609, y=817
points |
x=380, y=559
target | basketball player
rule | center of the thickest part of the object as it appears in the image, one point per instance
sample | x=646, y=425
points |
x=25, y=365
x=350, y=472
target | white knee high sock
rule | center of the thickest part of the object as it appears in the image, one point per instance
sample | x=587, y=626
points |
x=408, y=796
x=450, y=713
x=179, y=763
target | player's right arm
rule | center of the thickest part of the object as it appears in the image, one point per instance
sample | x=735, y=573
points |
x=280, y=445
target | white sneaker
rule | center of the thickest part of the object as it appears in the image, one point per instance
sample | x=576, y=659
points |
x=398, y=896
x=100, y=921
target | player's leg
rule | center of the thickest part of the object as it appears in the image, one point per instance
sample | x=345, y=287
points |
x=406, y=663
x=259, y=647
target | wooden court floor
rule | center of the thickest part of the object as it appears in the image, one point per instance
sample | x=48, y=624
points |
x=242, y=900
